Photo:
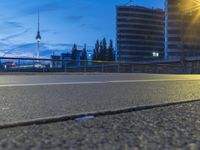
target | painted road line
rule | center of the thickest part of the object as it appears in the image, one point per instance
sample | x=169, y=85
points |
x=152, y=80
x=94, y=82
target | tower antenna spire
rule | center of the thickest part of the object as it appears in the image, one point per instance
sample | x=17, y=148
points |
x=38, y=37
x=38, y=20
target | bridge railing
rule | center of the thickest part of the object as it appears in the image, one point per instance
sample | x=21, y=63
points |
x=10, y=64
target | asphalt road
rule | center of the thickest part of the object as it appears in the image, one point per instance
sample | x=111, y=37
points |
x=31, y=97
x=23, y=98
x=175, y=127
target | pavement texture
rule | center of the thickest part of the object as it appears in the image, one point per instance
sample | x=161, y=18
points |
x=19, y=103
x=166, y=128
x=27, y=97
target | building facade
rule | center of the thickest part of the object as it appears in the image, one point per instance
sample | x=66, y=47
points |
x=182, y=29
x=140, y=33
x=58, y=60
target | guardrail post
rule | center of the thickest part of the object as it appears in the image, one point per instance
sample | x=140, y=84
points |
x=193, y=67
x=19, y=64
x=65, y=66
x=1, y=65
x=184, y=68
x=43, y=69
x=102, y=67
x=132, y=68
x=118, y=68
x=85, y=67
x=33, y=64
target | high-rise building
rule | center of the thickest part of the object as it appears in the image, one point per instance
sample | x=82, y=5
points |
x=182, y=28
x=140, y=33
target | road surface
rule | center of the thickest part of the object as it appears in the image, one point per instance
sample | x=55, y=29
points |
x=174, y=127
x=26, y=98
x=32, y=97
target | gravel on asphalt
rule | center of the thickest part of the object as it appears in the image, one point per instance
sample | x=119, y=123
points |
x=172, y=127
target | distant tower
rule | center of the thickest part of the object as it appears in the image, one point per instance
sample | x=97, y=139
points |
x=38, y=37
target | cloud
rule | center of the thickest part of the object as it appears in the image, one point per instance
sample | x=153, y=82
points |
x=91, y=26
x=29, y=49
x=74, y=18
x=4, y=45
x=10, y=26
x=62, y=46
x=14, y=24
x=33, y=7
x=15, y=35
x=46, y=7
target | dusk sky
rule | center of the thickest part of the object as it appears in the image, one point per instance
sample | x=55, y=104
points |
x=63, y=22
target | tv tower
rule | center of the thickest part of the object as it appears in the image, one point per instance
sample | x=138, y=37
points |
x=38, y=37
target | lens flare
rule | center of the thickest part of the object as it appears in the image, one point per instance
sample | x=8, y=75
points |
x=190, y=9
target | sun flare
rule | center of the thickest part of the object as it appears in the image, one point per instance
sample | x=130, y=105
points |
x=191, y=8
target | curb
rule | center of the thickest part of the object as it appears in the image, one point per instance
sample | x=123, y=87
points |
x=89, y=115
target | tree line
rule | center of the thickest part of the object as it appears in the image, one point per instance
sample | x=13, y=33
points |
x=101, y=52
x=75, y=53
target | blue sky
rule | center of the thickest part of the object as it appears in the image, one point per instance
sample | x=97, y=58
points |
x=63, y=22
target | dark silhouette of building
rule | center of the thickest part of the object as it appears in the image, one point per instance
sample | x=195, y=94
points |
x=59, y=61
x=140, y=33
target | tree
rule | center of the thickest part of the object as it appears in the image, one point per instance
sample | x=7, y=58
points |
x=97, y=46
x=101, y=51
x=84, y=53
x=111, y=56
x=74, y=52
x=96, y=53
x=103, y=47
x=94, y=56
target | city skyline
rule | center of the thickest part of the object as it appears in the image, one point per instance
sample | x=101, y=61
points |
x=62, y=23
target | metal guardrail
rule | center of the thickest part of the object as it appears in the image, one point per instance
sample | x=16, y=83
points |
x=10, y=64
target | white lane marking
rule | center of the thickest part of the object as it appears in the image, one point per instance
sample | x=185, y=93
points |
x=54, y=83
x=152, y=80
x=94, y=82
